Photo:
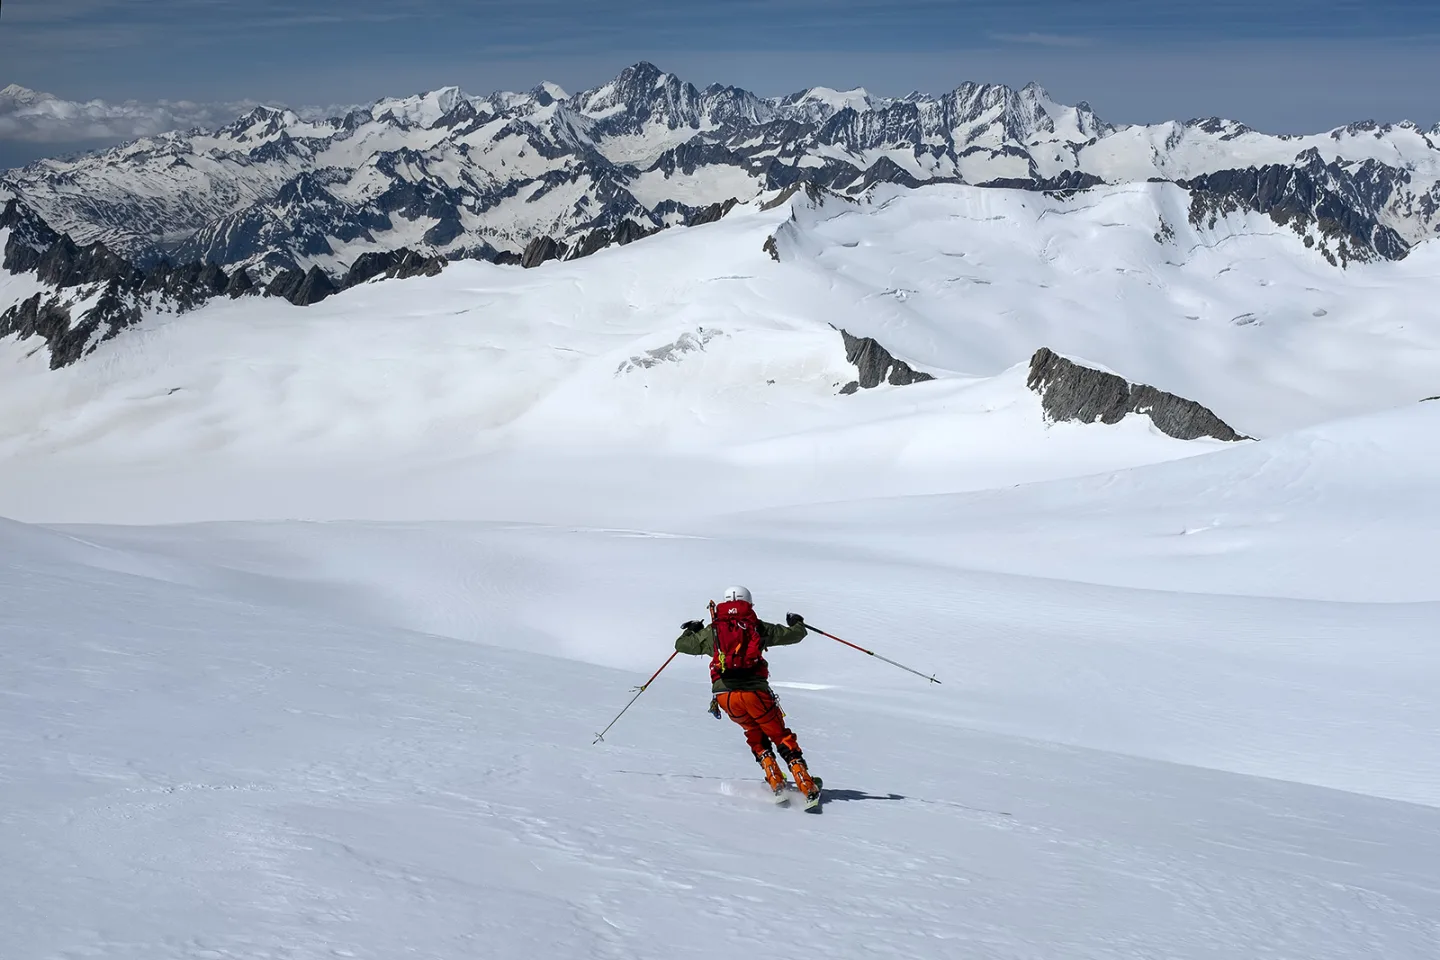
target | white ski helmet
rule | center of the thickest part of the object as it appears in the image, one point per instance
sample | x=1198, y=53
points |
x=737, y=593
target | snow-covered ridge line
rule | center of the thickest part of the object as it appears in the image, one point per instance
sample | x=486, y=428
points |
x=82, y=296
x=961, y=283
x=1152, y=227
x=454, y=175
x=78, y=297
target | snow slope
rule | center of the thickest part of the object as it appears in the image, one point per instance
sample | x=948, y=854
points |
x=194, y=771
x=1187, y=707
x=1312, y=515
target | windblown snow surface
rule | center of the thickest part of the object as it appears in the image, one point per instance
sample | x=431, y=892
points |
x=310, y=616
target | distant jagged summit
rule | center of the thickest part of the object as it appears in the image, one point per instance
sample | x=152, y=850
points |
x=17, y=94
x=450, y=174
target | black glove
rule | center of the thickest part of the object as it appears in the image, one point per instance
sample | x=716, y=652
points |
x=794, y=619
x=693, y=626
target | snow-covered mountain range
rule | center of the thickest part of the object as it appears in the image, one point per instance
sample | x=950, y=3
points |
x=453, y=175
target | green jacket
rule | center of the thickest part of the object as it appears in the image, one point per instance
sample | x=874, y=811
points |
x=701, y=643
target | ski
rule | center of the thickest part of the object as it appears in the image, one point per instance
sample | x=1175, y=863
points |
x=812, y=804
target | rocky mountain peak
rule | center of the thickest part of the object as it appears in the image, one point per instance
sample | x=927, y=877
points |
x=260, y=122
x=640, y=92
x=305, y=189
x=643, y=75
x=23, y=95
x=421, y=111
x=451, y=175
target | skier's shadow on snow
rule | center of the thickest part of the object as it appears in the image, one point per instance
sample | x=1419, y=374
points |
x=834, y=795
x=831, y=793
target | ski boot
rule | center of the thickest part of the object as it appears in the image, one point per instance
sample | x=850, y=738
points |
x=774, y=776
x=804, y=783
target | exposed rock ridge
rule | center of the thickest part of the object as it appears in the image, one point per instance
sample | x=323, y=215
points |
x=70, y=335
x=1330, y=206
x=1069, y=391
x=544, y=248
x=400, y=264
x=877, y=365
x=93, y=294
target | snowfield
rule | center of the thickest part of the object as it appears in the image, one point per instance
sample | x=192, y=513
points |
x=310, y=616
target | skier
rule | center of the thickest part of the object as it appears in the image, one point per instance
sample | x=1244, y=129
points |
x=735, y=643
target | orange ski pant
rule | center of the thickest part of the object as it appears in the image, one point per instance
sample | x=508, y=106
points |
x=758, y=713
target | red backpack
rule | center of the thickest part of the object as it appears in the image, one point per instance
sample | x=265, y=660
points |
x=739, y=648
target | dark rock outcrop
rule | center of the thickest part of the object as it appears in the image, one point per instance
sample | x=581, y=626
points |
x=1068, y=181
x=414, y=264
x=285, y=284
x=1340, y=204
x=71, y=337
x=877, y=366
x=212, y=280
x=30, y=237
x=1069, y=391
x=110, y=293
x=694, y=154
x=301, y=288
x=38, y=317
x=398, y=264
x=60, y=262
x=814, y=192
x=624, y=232
x=67, y=264
x=541, y=250
x=628, y=231
x=241, y=284
x=187, y=285
x=712, y=213
x=886, y=170
x=460, y=115
x=445, y=232
x=368, y=266
x=316, y=286
x=592, y=242
x=94, y=293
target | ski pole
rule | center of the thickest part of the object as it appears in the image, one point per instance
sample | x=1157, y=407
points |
x=638, y=690
x=872, y=653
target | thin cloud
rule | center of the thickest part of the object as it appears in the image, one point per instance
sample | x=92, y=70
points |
x=1043, y=39
x=30, y=117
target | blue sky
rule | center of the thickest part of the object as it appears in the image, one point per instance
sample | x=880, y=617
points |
x=1285, y=65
